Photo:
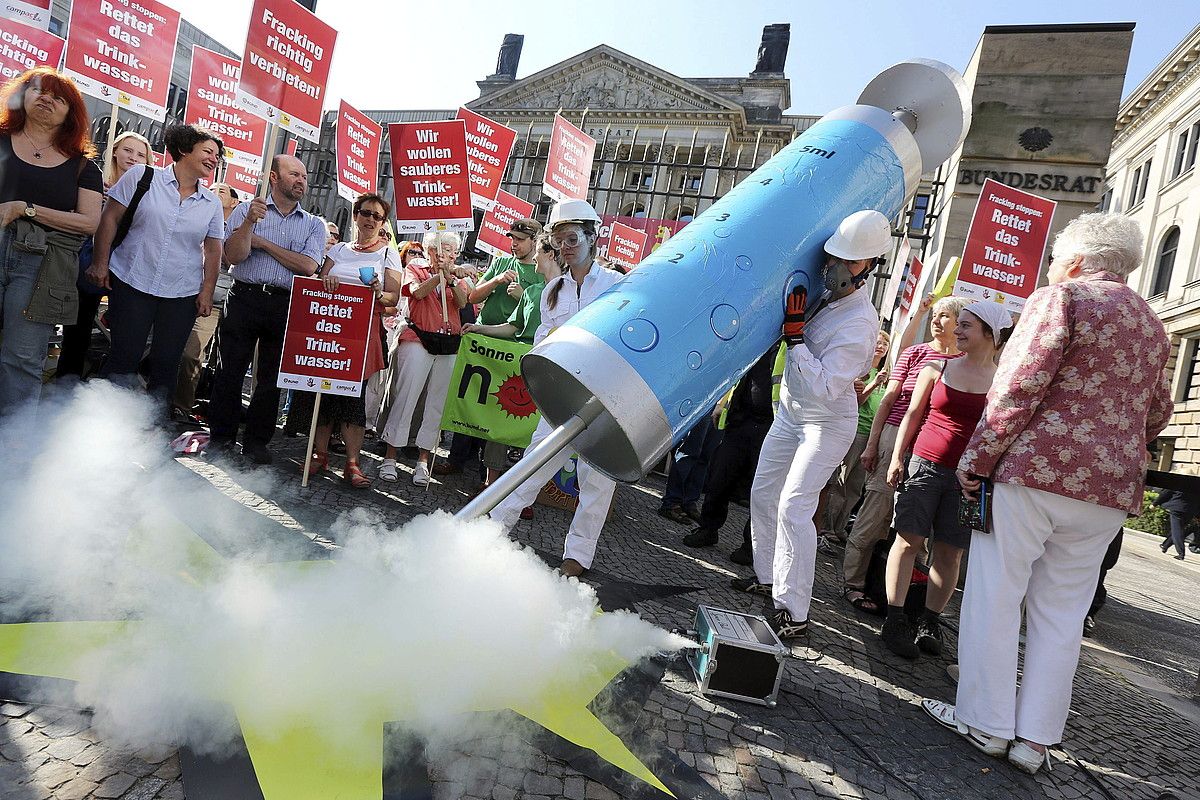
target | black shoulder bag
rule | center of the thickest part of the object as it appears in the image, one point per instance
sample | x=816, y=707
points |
x=143, y=186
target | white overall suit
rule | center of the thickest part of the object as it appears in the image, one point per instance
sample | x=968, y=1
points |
x=595, y=488
x=813, y=429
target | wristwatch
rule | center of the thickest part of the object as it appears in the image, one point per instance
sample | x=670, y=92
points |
x=30, y=211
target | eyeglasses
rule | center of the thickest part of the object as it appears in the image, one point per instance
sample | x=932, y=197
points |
x=572, y=240
x=362, y=212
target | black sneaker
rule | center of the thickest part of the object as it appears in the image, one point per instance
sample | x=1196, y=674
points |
x=899, y=637
x=1194, y=548
x=701, y=537
x=692, y=511
x=675, y=514
x=929, y=635
x=751, y=585
x=785, y=627
x=744, y=555
x=257, y=454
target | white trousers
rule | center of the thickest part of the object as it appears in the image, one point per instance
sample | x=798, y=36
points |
x=417, y=371
x=796, y=460
x=595, y=496
x=1046, y=550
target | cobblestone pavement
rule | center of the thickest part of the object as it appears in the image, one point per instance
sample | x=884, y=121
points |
x=848, y=723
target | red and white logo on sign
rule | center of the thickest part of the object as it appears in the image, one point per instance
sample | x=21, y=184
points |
x=429, y=169
x=489, y=144
x=1006, y=243
x=212, y=102
x=569, y=162
x=626, y=245
x=121, y=51
x=285, y=66
x=23, y=47
x=497, y=222
x=325, y=342
x=358, y=138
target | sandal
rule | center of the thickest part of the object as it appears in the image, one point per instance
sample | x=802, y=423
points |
x=353, y=475
x=861, y=602
x=318, y=464
x=995, y=746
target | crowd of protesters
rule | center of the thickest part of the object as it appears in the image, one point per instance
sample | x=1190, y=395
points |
x=1023, y=442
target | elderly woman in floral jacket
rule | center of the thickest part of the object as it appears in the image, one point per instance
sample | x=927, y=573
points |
x=1079, y=395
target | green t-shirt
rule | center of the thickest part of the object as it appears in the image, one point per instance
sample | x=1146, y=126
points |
x=866, y=412
x=527, y=316
x=498, y=306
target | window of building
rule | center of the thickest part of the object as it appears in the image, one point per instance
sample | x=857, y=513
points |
x=1141, y=179
x=1187, y=385
x=1165, y=262
x=919, y=216
x=639, y=180
x=690, y=182
x=683, y=214
x=636, y=210
x=1105, y=200
x=1185, y=151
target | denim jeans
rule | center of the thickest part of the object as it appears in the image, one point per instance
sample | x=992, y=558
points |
x=24, y=344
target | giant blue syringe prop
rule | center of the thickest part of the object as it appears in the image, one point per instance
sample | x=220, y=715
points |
x=629, y=375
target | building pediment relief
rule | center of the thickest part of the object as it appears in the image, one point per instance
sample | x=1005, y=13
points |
x=603, y=78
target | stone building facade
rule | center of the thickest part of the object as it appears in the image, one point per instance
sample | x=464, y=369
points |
x=1152, y=177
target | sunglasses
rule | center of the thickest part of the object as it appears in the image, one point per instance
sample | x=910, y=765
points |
x=371, y=215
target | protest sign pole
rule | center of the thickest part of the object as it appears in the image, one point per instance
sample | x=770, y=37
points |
x=112, y=130
x=312, y=434
x=264, y=182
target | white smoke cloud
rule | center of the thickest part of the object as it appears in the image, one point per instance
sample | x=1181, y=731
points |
x=427, y=620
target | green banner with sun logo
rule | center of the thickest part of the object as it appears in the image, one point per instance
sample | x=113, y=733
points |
x=487, y=396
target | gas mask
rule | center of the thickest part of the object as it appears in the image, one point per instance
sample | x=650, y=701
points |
x=840, y=281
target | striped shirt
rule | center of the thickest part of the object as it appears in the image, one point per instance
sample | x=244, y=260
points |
x=163, y=253
x=299, y=232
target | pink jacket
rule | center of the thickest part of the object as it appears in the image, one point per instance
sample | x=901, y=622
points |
x=1080, y=392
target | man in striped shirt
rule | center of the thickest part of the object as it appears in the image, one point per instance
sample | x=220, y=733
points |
x=267, y=242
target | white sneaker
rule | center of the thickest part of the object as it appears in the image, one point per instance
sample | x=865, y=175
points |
x=387, y=471
x=421, y=474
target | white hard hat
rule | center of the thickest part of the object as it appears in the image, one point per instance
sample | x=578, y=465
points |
x=572, y=211
x=863, y=234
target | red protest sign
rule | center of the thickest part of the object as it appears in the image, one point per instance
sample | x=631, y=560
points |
x=244, y=179
x=910, y=287
x=489, y=144
x=569, y=163
x=325, y=342
x=212, y=90
x=429, y=167
x=34, y=13
x=625, y=245
x=23, y=47
x=285, y=66
x=1005, y=246
x=290, y=147
x=498, y=220
x=358, y=138
x=121, y=52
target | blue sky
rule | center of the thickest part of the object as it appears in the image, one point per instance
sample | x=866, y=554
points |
x=429, y=55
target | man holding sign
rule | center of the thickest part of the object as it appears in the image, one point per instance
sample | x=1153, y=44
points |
x=267, y=242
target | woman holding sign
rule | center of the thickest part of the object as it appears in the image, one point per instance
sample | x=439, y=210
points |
x=367, y=261
x=49, y=200
x=426, y=351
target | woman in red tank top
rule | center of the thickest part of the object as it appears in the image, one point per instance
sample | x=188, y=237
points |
x=947, y=403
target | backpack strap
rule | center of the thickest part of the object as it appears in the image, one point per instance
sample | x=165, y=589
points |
x=143, y=186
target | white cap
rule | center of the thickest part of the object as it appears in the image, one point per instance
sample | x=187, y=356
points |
x=863, y=234
x=994, y=314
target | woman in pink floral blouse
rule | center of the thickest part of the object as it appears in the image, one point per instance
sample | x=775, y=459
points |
x=1080, y=393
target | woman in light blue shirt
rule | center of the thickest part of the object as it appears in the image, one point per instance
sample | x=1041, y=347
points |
x=162, y=275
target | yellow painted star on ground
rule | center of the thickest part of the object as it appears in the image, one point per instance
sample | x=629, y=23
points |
x=305, y=760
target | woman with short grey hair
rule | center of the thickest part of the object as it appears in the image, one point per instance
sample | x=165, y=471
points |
x=1080, y=393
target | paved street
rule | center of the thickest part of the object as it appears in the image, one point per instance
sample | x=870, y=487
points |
x=848, y=723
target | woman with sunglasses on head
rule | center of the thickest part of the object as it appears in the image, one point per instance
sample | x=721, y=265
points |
x=128, y=150
x=573, y=232
x=347, y=262
x=49, y=198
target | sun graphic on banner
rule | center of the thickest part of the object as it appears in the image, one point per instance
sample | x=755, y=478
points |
x=513, y=397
